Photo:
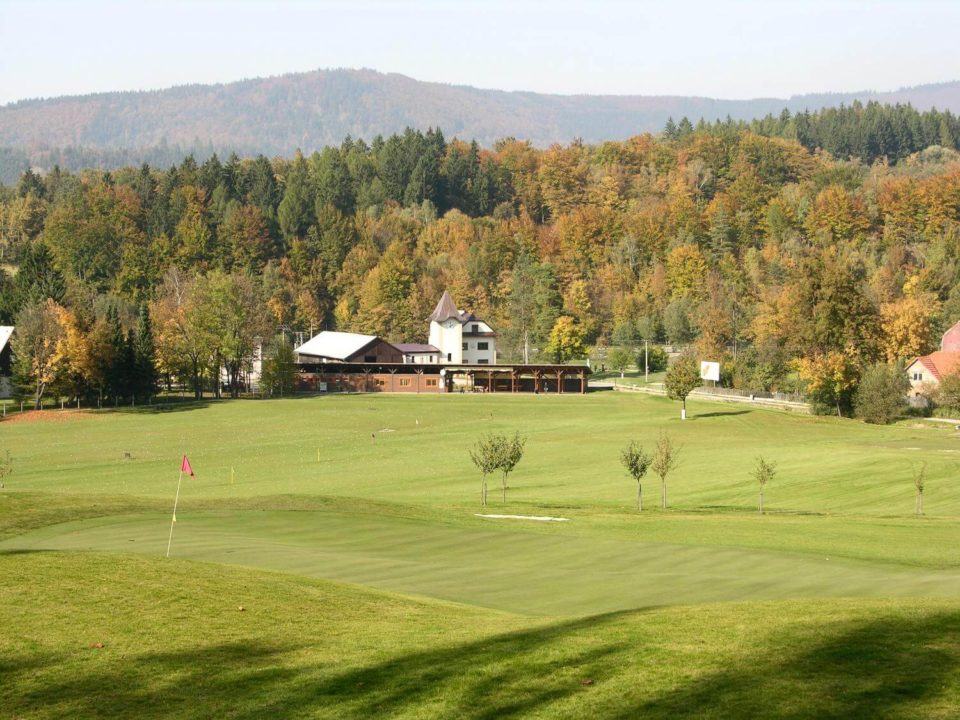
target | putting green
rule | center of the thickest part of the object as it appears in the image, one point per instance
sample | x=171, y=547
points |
x=493, y=564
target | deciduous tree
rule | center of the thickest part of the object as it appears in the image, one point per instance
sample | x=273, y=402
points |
x=909, y=326
x=683, y=377
x=620, y=359
x=830, y=378
x=636, y=462
x=566, y=340
x=37, y=348
x=881, y=393
x=664, y=460
x=763, y=473
x=512, y=455
x=487, y=455
x=919, y=483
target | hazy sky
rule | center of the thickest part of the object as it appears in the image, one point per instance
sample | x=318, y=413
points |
x=684, y=47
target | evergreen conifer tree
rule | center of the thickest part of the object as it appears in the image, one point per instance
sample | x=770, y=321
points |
x=144, y=354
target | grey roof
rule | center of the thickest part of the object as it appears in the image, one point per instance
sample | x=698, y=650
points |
x=415, y=348
x=445, y=309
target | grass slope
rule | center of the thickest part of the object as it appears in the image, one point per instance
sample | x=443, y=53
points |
x=176, y=645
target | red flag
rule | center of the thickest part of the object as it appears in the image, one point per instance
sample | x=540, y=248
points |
x=185, y=466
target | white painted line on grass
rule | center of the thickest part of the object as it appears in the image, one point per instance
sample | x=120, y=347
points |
x=538, y=518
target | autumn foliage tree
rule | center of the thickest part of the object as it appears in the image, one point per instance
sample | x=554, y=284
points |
x=830, y=378
x=566, y=340
x=909, y=327
x=38, y=348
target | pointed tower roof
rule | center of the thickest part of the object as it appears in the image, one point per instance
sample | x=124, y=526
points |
x=445, y=309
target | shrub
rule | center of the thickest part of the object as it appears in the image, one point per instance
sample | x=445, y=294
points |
x=620, y=359
x=948, y=393
x=656, y=357
x=881, y=395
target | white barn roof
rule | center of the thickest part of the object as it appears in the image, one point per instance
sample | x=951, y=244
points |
x=335, y=345
x=5, y=332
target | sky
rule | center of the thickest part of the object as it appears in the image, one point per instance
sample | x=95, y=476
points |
x=724, y=49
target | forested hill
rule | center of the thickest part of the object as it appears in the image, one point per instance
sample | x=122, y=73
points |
x=309, y=110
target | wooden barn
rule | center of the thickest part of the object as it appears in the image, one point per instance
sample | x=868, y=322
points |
x=341, y=347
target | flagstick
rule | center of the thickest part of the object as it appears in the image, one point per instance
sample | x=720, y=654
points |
x=174, y=518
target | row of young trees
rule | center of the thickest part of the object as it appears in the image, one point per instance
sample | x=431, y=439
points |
x=784, y=263
x=499, y=452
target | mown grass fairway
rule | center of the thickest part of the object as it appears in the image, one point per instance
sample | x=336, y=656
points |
x=838, y=602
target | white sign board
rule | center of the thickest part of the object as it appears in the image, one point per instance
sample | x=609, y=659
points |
x=710, y=371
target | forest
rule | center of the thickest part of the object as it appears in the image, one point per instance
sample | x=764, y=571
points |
x=802, y=250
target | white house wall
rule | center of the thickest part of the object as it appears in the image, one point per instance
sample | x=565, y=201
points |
x=448, y=338
x=478, y=347
x=922, y=381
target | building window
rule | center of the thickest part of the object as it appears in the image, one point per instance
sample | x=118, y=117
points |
x=466, y=346
x=369, y=358
x=449, y=357
x=483, y=361
x=404, y=382
x=476, y=328
x=381, y=382
x=483, y=346
x=431, y=382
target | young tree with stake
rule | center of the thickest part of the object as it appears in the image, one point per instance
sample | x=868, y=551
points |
x=487, y=455
x=919, y=481
x=620, y=359
x=763, y=473
x=636, y=461
x=512, y=455
x=683, y=377
x=6, y=467
x=664, y=460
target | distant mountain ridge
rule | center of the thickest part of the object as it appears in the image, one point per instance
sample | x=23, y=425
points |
x=309, y=110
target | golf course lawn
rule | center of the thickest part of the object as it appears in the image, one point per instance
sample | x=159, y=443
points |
x=348, y=529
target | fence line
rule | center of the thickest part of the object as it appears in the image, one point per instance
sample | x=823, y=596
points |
x=782, y=401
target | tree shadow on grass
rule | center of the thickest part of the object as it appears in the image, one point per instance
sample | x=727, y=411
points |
x=22, y=551
x=160, y=408
x=718, y=413
x=503, y=676
x=885, y=667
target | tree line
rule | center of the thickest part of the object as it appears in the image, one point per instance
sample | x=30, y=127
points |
x=794, y=268
x=868, y=132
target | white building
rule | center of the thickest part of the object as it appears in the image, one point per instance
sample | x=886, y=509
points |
x=461, y=338
x=419, y=354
